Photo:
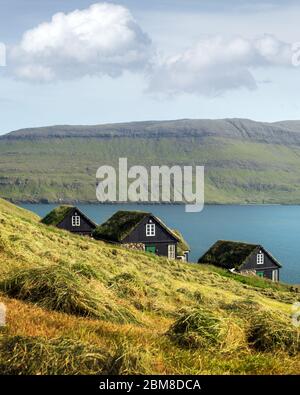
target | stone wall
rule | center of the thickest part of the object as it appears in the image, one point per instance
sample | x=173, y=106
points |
x=134, y=246
x=248, y=272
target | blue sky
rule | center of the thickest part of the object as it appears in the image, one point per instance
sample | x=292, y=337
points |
x=139, y=60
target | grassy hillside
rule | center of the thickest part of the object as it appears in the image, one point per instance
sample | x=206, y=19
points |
x=245, y=161
x=75, y=305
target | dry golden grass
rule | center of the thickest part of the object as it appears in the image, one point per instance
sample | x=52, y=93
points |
x=154, y=293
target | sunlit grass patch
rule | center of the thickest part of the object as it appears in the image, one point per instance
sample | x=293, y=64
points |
x=45, y=273
x=84, y=269
x=53, y=287
x=37, y=356
x=270, y=332
x=197, y=328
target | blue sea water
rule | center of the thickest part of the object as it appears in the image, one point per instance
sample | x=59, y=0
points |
x=276, y=227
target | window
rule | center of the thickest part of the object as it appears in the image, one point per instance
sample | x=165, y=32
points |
x=275, y=275
x=260, y=258
x=260, y=274
x=171, y=251
x=76, y=220
x=150, y=230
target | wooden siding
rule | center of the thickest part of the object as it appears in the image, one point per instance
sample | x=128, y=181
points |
x=160, y=241
x=85, y=228
x=161, y=248
x=267, y=267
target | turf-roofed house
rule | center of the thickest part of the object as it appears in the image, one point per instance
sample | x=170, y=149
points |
x=143, y=231
x=70, y=218
x=243, y=258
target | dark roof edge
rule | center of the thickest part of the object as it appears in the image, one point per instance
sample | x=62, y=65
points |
x=270, y=256
x=166, y=228
x=135, y=226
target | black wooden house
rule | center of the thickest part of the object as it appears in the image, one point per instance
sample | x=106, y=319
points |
x=70, y=218
x=143, y=231
x=242, y=258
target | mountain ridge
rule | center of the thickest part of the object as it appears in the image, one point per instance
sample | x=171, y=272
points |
x=227, y=127
x=246, y=162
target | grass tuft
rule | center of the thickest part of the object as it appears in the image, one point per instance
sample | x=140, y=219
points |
x=127, y=285
x=196, y=329
x=54, y=287
x=269, y=332
x=129, y=359
x=135, y=298
x=85, y=270
x=37, y=356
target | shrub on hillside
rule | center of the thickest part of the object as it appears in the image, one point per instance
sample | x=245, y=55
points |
x=37, y=356
x=199, y=328
x=55, y=287
x=269, y=332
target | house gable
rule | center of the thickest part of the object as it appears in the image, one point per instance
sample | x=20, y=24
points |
x=84, y=226
x=130, y=227
x=251, y=262
x=61, y=217
x=241, y=257
x=162, y=233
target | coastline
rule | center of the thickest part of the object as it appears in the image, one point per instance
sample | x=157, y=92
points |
x=210, y=203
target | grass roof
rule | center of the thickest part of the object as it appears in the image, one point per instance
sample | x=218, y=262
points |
x=120, y=225
x=228, y=254
x=182, y=245
x=57, y=215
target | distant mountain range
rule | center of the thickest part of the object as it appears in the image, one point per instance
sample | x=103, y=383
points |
x=245, y=161
x=230, y=128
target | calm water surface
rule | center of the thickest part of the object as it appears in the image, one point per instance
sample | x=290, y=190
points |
x=277, y=228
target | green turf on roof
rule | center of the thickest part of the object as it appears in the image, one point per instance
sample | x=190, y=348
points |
x=57, y=215
x=228, y=254
x=117, y=227
x=182, y=245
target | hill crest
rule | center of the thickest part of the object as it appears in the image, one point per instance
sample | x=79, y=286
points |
x=283, y=132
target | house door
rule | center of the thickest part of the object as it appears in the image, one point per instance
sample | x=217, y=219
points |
x=151, y=249
x=260, y=274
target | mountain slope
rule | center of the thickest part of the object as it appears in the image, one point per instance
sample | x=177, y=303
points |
x=138, y=298
x=245, y=161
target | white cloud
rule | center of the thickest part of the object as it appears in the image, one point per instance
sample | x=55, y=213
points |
x=102, y=39
x=215, y=65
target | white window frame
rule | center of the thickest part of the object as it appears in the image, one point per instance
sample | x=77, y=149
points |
x=260, y=258
x=76, y=220
x=150, y=230
x=171, y=251
x=275, y=275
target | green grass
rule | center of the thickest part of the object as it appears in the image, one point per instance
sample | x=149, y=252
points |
x=253, y=281
x=236, y=170
x=67, y=294
x=199, y=328
x=36, y=356
x=267, y=332
x=56, y=215
x=55, y=287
